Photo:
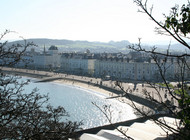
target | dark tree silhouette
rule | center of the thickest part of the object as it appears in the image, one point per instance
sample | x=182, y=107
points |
x=176, y=101
x=27, y=115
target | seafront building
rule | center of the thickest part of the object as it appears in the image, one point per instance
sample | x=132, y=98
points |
x=49, y=59
x=115, y=66
x=131, y=70
x=79, y=63
x=42, y=60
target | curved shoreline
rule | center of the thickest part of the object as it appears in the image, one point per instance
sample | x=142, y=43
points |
x=61, y=78
x=84, y=82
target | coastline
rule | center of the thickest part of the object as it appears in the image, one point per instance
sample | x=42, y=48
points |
x=85, y=86
x=42, y=75
x=78, y=81
x=99, y=90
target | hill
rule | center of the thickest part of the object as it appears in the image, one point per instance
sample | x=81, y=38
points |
x=70, y=45
x=95, y=47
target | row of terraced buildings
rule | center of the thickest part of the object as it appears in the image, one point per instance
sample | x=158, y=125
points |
x=131, y=66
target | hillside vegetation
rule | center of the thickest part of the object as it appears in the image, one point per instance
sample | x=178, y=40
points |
x=95, y=47
x=70, y=45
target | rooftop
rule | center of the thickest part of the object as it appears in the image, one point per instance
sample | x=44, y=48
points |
x=53, y=48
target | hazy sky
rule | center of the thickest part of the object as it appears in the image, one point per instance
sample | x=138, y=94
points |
x=92, y=20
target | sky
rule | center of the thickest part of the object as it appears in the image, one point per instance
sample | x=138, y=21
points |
x=91, y=20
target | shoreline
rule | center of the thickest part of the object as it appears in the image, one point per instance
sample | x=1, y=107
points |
x=40, y=75
x=88, y=83
x=84, y=86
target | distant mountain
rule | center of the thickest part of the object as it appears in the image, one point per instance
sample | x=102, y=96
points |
x=173, y=48
x=70, y=45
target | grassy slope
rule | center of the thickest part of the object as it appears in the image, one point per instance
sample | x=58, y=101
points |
x=69, y=44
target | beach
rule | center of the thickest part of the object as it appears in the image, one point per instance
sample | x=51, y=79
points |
x=72, y=80
x=107, y=87
x=59, y=78
x=86, y=86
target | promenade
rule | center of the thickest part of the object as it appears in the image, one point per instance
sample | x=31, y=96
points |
x=108, y=87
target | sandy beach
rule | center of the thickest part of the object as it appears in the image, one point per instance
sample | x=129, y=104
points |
x=42, y=75
x=72, y=80
x=91, y=84
x=86, y=86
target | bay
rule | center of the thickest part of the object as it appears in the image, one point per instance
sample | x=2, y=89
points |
x=78, y=103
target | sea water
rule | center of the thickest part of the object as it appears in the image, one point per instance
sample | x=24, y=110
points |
x=77, y=102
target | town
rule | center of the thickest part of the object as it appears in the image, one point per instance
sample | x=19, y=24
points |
x=95, y=70
x=109, y=66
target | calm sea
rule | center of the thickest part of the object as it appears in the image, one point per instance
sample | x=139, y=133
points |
x=78, y=103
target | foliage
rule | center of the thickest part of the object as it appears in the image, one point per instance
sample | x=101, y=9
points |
x=179, y=22
x=164, y=85
x=170, y=100
x=176, y=25
x=27, y=115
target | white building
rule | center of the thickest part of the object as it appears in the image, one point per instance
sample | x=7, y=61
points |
x=77, y=64
x=112, y=66
x=124, y=70
x=45, y=60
